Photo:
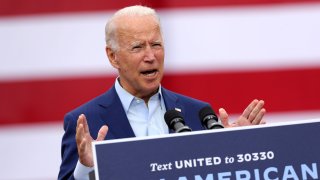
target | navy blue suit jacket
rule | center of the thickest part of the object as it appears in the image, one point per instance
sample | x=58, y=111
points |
x=107, y=109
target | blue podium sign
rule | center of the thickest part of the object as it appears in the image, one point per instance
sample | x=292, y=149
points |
x=274, y=151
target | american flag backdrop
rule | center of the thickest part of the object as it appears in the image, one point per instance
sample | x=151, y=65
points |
x=226, y=52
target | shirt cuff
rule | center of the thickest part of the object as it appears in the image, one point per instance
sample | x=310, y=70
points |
x=81, y=172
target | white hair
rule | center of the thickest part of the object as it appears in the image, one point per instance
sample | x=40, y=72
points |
x=111, y=28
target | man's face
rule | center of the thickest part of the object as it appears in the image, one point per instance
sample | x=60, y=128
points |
x=140, y=56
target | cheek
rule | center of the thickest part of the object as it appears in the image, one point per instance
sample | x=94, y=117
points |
x=131, y=67
x=160, y=56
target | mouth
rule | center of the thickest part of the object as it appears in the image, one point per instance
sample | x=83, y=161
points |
x=149, y=73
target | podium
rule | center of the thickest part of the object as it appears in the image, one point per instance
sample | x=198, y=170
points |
x=272, y=151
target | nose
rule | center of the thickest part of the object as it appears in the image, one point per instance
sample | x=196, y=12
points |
x=149, y=54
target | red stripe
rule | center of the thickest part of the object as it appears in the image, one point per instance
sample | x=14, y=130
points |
x=49, y=100
x=21, y=7
x=282, y=90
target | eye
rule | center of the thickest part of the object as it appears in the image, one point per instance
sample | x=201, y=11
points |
x=136, y=47
x=156, y=45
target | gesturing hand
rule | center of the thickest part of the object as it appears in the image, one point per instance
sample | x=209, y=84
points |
x=84, y=140
x=252, y=115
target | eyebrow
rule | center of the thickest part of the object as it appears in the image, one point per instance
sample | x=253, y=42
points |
x=135, y=43
x=157, y=41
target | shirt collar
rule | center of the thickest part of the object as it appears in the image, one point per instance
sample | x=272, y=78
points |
x=126, y=98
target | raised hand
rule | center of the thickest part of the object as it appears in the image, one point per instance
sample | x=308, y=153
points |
x=84, y=140
x=252, y=115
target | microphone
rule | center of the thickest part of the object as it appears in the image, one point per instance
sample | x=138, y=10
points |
x=209, y=119
x=175, y=121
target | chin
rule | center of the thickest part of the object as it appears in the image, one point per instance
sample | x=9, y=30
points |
x=152, y=87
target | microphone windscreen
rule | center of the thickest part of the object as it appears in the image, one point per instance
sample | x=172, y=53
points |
x=171, y=115
x=205, y=112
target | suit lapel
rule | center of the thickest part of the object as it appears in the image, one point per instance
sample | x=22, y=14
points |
x=171, y=101
x=114, y=115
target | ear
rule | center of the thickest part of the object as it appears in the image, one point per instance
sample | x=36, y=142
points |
x=112, y=57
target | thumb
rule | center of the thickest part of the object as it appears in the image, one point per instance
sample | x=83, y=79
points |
x=102, y=133
x=224, y=117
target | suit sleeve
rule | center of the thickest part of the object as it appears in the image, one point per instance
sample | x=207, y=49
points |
x=69, y=152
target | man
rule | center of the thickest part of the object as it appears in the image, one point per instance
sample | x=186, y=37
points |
x=136, y=104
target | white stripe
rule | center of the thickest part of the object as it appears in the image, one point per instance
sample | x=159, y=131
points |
x=243, y=38
x=30, y=151
x=196, y=39
x=57, y=45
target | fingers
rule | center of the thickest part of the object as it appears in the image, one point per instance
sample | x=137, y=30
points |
x=79, y=130
x=253, y=114
x=263, y=122
x=82, y=129
x=82, y=148
x=102, y=133
x=258, y=118
x=83, y=137
x=83, y=120
x=83, y=140
x=224, y=117
x=256, y=111
x=248, y=110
